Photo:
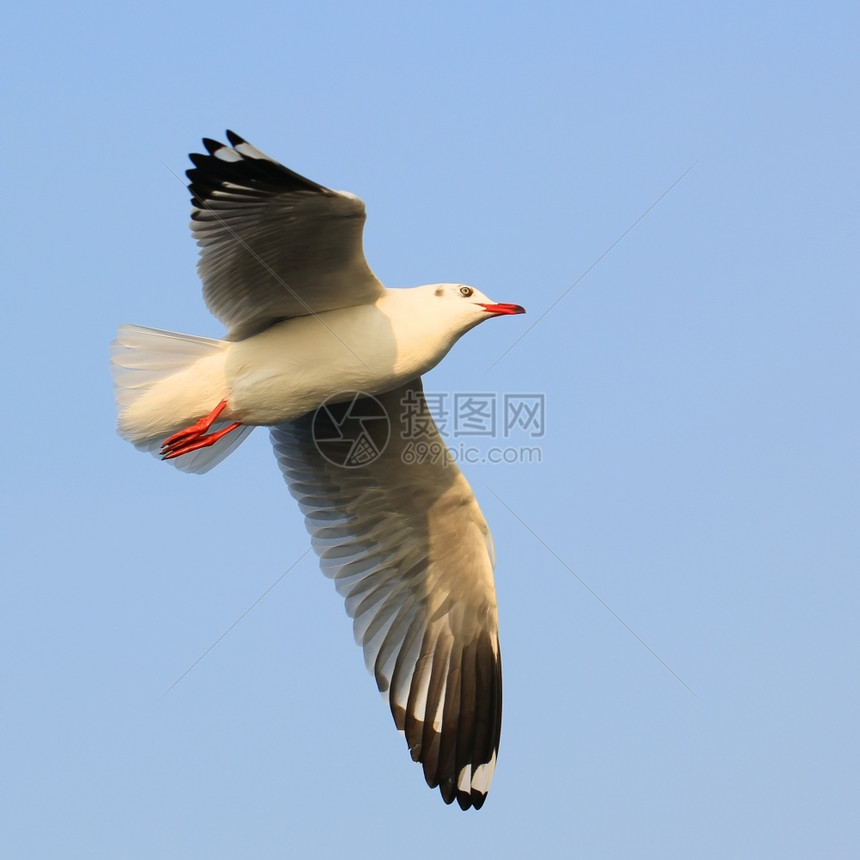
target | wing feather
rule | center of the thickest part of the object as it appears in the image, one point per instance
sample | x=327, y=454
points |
x=273, y=244
x=411, y=554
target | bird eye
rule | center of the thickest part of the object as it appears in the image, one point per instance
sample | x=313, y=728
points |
x=466, y=291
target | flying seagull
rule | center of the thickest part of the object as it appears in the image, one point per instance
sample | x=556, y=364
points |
x=319, y=351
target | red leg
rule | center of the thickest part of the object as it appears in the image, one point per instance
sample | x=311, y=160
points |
x=197, y=435
x=198, y=428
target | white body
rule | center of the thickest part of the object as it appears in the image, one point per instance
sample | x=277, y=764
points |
x=292, y=367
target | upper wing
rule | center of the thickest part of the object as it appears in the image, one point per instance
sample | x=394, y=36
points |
x=409, y=549
x=272, y=243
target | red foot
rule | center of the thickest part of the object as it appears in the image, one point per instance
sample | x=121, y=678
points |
x=197, y=435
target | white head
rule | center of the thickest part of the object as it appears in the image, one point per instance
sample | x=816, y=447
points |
x=460, y=307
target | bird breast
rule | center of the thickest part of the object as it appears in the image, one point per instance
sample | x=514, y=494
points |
x=294, y=366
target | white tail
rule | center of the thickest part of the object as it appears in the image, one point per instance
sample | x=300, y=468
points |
x=162, y=383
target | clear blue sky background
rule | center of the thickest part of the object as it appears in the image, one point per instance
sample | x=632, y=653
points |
x=700, y=465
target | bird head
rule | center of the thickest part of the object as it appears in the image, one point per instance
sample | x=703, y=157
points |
x=462, y=306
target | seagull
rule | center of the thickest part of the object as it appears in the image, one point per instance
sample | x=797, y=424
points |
x=330, y=360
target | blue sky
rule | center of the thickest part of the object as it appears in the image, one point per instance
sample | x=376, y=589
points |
x=699, y=468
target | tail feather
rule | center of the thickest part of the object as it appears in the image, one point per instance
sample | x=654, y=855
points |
x=158, y=378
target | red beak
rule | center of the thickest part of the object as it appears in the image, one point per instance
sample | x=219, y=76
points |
x=502, y=308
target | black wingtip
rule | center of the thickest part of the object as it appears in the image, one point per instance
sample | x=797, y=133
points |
x=211, y=172
x=448, y=790
x=198, y=159
x=469, y=799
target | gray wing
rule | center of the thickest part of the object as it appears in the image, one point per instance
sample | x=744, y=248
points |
x=410, y=551
x=273, y=244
